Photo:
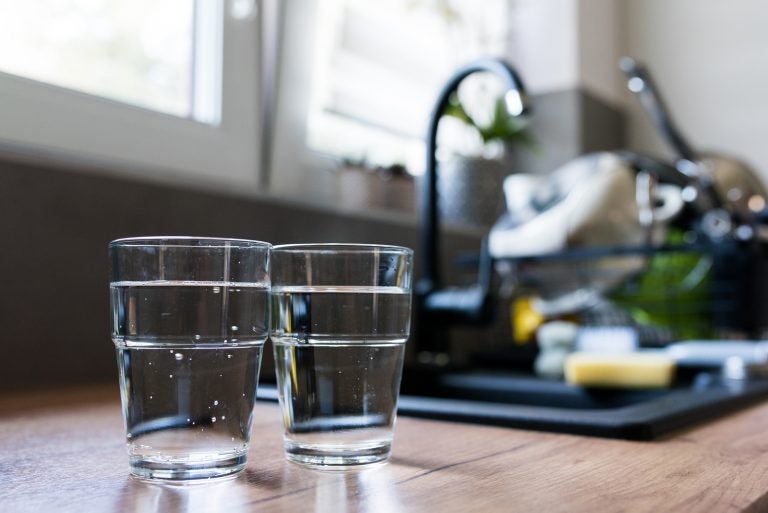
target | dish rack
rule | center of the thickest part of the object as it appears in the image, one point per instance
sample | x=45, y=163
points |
x=673, y=292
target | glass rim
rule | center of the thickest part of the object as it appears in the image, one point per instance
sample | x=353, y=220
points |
x=184, y=241
x=339, y=247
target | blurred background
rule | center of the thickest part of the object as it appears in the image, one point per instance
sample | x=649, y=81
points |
x=305, y=121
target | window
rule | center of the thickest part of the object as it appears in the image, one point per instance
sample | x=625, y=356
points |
x=165, y=88
x=358, y=79
x=140, y=52
x=378, y=68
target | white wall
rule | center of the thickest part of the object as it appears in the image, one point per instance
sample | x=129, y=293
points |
x=543, y=43
x=710, y=60
x=567, y=44
x=601, y=43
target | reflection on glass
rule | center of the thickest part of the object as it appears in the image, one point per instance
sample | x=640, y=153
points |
x=368, y=491
x=216, y=496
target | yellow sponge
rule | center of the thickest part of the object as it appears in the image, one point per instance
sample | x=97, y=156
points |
x=626, y=370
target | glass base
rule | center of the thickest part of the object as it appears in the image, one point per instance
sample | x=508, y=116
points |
x=337, y=457
x=169, y=470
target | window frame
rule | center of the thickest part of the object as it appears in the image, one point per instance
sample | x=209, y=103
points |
x=55, y=123
x=296, y=170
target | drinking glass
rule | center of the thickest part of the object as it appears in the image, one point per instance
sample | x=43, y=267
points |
x=189, y=321
x=340, y=320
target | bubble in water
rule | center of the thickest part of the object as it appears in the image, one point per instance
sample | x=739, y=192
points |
x=223, y=417
x=215, y=403
x=171, y=351
x=216, y=290
x=188, y=420
x=197, y=337
x=213, y=419
x=229, y=356
x=232, y=438
x=179, y=356
x=150, y=397
x=170, y=375
x=235, y=328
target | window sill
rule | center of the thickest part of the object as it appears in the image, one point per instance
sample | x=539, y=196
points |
x=364, y=211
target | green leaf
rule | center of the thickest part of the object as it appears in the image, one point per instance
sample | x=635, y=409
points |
x=504, y=127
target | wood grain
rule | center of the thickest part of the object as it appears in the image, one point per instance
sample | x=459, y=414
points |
x=64, y=451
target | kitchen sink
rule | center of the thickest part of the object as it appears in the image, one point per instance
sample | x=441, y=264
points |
x=502, y=388
x=530, y=403
x=521, y=401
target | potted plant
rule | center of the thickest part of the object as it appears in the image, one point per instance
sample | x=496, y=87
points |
x=470, y=181
x=502, y=127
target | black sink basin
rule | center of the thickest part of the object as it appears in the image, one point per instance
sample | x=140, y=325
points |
x=499, y=399
x=504, y=388
x=525, y=402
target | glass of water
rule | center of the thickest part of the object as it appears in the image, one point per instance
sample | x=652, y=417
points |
x=189, y=321
x=340, y=320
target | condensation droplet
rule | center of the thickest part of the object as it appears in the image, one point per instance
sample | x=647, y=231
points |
x=179, y=356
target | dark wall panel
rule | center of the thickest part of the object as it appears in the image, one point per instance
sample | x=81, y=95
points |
x=54, y=230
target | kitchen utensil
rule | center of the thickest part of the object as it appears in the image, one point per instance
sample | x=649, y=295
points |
x=595, y=201
x=721, y=182
x=714, y=353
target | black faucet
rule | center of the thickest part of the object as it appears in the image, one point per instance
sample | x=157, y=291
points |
x=438, y=307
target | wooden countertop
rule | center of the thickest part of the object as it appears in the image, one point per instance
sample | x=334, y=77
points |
x=64, y=451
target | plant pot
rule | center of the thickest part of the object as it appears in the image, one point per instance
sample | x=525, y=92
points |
x=470, y=190
x=361, y=188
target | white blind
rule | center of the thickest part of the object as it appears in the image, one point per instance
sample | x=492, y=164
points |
x=378, y=66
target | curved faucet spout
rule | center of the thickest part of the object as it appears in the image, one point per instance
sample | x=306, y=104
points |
x=517, y=104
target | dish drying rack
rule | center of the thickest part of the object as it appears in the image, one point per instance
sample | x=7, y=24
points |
x=681, y=291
